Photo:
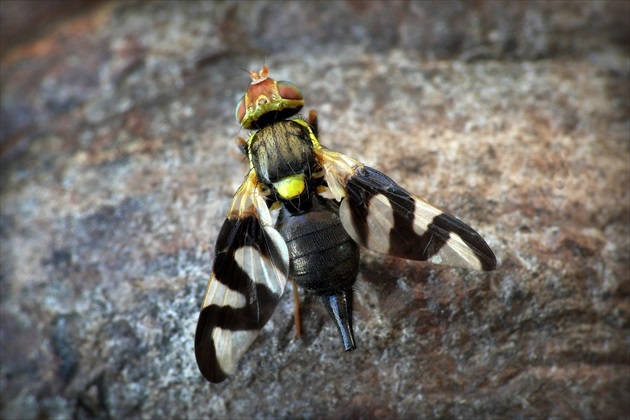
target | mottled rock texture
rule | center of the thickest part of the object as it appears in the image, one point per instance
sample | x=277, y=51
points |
x=118, y=163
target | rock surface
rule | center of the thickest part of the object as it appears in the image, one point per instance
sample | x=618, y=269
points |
x=119, y=163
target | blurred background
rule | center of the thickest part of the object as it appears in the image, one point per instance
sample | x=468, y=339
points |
x=118, y=164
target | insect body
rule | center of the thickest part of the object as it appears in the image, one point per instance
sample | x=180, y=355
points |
x=315, y=240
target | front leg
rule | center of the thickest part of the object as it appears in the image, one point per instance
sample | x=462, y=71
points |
x=312, y=120
x=241, y=143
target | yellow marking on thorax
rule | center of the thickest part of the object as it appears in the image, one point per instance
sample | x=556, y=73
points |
x=290, y=186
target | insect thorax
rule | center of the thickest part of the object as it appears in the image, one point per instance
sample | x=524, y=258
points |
x=282, y=156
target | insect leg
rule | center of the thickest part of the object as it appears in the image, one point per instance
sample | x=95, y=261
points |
x=241, y=143
x=312, y=120
x=298, y=318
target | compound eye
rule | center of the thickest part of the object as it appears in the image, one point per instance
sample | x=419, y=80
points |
x=288, y=90
x=241, y=110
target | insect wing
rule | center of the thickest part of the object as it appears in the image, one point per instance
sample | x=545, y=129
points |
x=248, y=278
x=381, y=216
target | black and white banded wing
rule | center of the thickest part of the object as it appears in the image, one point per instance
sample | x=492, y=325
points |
x=248, y=278
x=381, y=216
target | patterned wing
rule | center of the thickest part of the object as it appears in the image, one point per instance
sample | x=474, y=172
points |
x=381, y=216
x=249, y=274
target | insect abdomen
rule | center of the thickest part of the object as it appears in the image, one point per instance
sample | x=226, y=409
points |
x=323, y=256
